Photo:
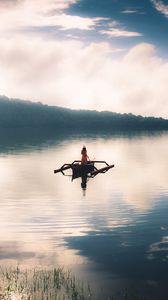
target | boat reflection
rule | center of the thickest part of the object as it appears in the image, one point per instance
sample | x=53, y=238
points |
x=84, y=180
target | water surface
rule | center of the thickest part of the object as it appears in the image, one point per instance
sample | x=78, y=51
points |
x=115, y=234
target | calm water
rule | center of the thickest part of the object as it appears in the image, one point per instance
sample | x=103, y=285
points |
x=115, y=235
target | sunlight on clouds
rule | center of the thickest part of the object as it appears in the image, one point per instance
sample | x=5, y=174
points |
x=39, y=5
x=140, y=53
x=72, y=22
x=71, y=74
x=2, y=82
x=43, y=14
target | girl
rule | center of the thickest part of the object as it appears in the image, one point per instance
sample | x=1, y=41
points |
x=85, y=157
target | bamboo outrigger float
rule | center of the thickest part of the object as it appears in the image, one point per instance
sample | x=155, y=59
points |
x=89, y=169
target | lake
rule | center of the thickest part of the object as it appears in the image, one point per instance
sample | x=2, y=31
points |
x=114, y=234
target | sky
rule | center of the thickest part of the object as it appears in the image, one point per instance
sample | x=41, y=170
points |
x=86, y=54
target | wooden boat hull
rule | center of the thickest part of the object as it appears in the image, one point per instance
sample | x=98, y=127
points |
x=79, y=170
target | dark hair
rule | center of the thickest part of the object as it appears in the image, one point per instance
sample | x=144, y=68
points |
x=84, y=148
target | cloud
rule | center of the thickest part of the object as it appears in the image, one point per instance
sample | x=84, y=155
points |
x=117, y=32
x=67, y=22
x=72, y=74
x=41, y=14
x=115, y=29
x=55, y=4
x=6, y=3
x=133, y=11
x=161, y=7
x=129, y=11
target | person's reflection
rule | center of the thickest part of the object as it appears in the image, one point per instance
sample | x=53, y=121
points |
x=84, y=183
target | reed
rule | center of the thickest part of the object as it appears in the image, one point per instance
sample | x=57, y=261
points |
x=39, y=284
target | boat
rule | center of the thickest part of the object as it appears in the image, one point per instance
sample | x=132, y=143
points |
x=80, y=170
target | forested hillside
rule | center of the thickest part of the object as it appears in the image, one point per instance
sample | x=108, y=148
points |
x=16, y=113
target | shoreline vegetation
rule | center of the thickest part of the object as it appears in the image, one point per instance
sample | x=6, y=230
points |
x=50, y=284
x=41, y=284
x=16, y=113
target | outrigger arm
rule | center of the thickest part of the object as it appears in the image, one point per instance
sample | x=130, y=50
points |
x=63, y=168
x=92, y=173
x=102, y=170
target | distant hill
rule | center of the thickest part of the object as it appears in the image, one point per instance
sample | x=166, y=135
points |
x=15, y=113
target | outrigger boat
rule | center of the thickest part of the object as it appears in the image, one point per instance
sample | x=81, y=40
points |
x=89, y=169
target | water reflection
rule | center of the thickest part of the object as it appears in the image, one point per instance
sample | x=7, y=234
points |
x=84, y=184
x=117, y=232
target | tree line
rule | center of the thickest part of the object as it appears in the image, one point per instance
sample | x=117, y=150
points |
x=15, y=113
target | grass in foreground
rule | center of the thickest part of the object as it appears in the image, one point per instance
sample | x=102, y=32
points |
x=55, y=284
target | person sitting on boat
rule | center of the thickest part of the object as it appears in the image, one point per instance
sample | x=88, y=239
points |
x=85, y=157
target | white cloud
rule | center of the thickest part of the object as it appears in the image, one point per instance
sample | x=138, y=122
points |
x=161, y=7
x=39, y=4
x=115, y=29
x=71, y=74
x=117, y=32
x=129, y=11
x=75, y=22
x=42, y=13
x=8, y=3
